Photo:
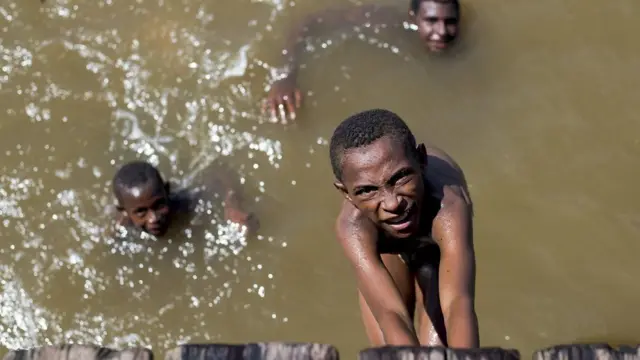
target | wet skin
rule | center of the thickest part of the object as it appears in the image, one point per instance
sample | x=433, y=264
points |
x=387, y=196
x=151, y=207
x=437, y=27
x=146, y=207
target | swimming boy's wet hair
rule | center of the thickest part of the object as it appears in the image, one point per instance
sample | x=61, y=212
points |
x=362, y=129
x=415, y=4
x=135, y=173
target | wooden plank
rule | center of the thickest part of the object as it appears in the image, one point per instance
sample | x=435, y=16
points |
x=254, y=351
x=587, y=352
x=78, y=352
x=437, y=353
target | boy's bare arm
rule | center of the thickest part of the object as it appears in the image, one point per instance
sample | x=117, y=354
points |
x=377, y=286
x=224, y=181
x=284, y=93
x=330, y=20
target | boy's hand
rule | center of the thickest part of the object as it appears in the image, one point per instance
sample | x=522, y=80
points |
x=283, y=99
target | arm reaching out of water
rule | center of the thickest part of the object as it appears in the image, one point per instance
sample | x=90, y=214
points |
x=222, y=180
x=358, y=239
x=284, y=96
x=234, y=211
x=145, y=201
x=435, y=22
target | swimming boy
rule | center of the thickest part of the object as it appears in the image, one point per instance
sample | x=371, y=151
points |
x=435, y=21
x=406, y=227
x=145, y=201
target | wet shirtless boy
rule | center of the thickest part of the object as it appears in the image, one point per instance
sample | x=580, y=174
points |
x=435, y=21
x=406, y=227
x=145, y=201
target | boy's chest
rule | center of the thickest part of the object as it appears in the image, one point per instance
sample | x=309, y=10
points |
x=388, y=245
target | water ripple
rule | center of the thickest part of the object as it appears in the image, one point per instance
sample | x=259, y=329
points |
x=87, y=93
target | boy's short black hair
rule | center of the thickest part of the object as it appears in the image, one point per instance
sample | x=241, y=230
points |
x=135, y=173
x=364, y=128
x=415, y=4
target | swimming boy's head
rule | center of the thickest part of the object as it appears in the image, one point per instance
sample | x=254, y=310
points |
x=378, y=167
x=437, y=22
x=143, y=197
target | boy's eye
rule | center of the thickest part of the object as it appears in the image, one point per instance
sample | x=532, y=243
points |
x=365, y=190
x=401, y=177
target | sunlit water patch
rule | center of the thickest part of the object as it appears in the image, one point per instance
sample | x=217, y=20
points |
x=96, y=93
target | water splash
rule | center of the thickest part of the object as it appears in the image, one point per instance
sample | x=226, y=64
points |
x=151, y=87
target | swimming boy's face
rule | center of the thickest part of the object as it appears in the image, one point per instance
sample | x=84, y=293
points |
x=147, y=206
x=437, y=24
x=385, y=183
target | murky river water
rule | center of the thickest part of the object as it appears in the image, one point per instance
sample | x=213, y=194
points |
x=538, y=107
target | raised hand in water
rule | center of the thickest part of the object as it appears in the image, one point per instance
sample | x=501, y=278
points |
x=283, y=100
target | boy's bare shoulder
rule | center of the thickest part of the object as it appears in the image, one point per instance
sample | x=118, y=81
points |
x=183, y=200
x=437, y=152
x=443, y=170
x=447, y=179
x=351, y=224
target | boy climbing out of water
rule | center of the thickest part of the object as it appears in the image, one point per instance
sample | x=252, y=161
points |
x=435, y=21
x=145, y=201
x=405, y=225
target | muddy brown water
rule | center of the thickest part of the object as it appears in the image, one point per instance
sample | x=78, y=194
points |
x=538, y=106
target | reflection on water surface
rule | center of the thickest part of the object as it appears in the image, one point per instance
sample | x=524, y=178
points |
x=540, y=116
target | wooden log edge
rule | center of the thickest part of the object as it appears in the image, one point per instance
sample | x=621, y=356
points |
x=596, y=351
x=437, y=353
x=79, y=352
x=261, y=350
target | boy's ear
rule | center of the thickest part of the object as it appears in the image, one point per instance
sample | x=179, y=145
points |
x=119, y=208
x=343, y=189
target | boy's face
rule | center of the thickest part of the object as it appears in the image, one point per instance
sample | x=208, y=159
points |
x=147, y=206
x=385, y=183
x=437, y=24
